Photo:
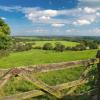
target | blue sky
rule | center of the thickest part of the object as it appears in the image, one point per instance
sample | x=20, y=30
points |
x=52, y=17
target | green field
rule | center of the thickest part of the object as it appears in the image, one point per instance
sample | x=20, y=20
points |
x=52, y=78
x=66, y=43
x=17, y=84
x=40, y=57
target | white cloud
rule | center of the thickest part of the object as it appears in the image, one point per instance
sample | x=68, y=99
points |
x=98, y=13
x=58, y=25
x=85, y=20
x=78, y=16
x=82, y=22
x=44, y=18
x=3, y=18
x=37, y=14
x=69, y=30
x=36, y=31
x=90, y=0
x=89, y=10
x=97, y=30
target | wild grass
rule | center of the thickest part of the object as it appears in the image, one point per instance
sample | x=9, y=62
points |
x=41, y=57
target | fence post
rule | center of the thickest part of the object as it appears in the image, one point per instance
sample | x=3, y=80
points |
x=98, y=81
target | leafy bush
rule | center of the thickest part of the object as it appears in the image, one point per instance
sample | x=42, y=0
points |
x=5, y=39
x=47, y=46
x=59, y=47
x=37, y=47
x=79, y=47
x=21, y=46
x=90, y=44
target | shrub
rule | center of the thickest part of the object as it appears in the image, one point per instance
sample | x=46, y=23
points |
x=68, y=48
x=93, y=45
x=79, y=47
x=21, y=46
x=47, y=46
x=90, y=44
x=59, y=47
x=37, y=47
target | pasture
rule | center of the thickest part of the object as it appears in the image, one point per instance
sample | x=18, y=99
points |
x=41, y=57
x=34, y=56
x=26, y=58
x=66, y=43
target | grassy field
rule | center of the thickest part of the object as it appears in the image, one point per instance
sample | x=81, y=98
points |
x=52, y=78
x=66, y=43
x=40, y=57
x=17, y=84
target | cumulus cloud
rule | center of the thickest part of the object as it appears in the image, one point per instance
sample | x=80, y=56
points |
x=90, y=0
x=58, y=25
x=85, y=20
x=97, y=30
x=82, y=22
x=38, y=14
x=3, y=18
x=89, y=10
x=79, y=16
x=37, y=31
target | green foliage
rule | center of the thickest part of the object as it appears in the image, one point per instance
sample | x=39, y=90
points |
x=47, y=46
x=5, y=42
x=90, y=44
x=79, y=47
x=21, y=46
x=59, y=47
x=5, y=39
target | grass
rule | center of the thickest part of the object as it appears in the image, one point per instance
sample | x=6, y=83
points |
x=66, y=43
x=18, y=84
x=61, y=76
x=40, y=57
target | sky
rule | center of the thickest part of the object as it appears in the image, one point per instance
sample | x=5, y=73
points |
x=52, y=17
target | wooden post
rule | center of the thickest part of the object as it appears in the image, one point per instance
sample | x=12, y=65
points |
x=98, y=81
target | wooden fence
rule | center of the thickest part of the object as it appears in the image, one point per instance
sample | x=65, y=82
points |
x=25, y=72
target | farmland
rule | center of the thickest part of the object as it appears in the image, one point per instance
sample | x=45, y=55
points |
x=41, y=56
x=66, y=43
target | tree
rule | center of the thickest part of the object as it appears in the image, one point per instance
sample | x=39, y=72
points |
x=5, y=39
x=59, y=47
x=79, y=47
x=47, y=46
x=93, y=45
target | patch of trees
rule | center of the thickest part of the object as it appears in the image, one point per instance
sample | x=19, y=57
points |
x=84, y=45
x=21, y=46
x=47, y=46
x=58, y=47
x=90, y=44
x=5, y=39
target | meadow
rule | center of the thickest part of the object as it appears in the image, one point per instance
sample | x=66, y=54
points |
x=32, y=57
x=36, y=56
x=66, y=43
